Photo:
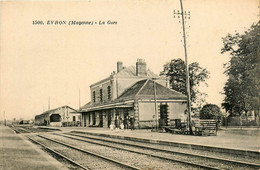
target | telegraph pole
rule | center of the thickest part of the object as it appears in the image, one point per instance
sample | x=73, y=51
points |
x=155, y=106
x=186, y=14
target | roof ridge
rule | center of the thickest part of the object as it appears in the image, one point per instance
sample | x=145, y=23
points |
x=70, y=107
x=142, y=87
x=47, y=111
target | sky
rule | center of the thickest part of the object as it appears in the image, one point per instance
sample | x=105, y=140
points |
x=41, y=62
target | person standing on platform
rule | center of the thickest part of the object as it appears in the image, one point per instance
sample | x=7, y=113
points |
x=117, y=123
x=132, y=123
x=121, y=123
x=126, y=122
x=112, y=126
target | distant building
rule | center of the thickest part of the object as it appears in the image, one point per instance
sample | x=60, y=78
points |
x=133, y=92
x=24, y=122
x=61, y=116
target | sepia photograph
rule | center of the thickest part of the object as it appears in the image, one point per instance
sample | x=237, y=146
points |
x=132, y=84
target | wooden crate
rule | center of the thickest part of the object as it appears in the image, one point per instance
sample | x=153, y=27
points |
x=205, y=127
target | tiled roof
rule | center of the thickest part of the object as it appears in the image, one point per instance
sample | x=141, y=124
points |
x=48, y=111
x=133, y=90
x=85, y=106
x=144, y=89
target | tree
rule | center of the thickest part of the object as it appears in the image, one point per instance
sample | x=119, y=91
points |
x=242, y=87
x=175, y=69
x=210, y=111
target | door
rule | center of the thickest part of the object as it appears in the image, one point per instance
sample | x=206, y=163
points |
x=163, y=121
x=100, y=119
x=109, y=118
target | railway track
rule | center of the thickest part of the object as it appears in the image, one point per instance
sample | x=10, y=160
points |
x=143, y=152
x=135, y=158
x=213, y=162
x=153, y=151
x=72, y=161
x=20, y=129
x=58, y=154
x=90, y=158
x=243, y=153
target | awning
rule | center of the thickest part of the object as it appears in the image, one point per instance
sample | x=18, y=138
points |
x=128, y=104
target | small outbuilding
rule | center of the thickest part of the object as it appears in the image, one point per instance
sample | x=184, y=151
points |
x=61, y=116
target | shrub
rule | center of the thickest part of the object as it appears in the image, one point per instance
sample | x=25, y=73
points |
x=210, y=111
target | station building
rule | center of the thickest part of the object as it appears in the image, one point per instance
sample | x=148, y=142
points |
x=61, y=116
x=133, y=92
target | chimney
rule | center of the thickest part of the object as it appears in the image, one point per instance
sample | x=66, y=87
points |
x=141, y=68
x=119, y=66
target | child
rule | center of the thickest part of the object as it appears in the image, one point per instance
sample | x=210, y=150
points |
x=112, y=126
x=122, y=126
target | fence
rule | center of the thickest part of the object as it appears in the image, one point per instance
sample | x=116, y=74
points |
x=237, y=121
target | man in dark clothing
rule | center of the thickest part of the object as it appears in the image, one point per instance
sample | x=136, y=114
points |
x=117, y=123
x=126, y=122
x=132, y=123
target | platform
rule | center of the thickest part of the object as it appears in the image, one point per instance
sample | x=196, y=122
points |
x=16, y=152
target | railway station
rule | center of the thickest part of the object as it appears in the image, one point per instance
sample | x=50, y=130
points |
x=186, y=97
x=133, y=92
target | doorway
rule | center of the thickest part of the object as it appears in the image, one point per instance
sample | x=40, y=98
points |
x=100, y=119
x=109, y=118
x=55, y=118
x=163, y=121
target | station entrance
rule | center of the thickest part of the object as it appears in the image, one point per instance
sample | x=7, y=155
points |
x=163, y=121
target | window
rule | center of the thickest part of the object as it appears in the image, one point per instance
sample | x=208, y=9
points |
x=94, y=96
x=74, y=118
x=101, y=95
x=109, y=92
